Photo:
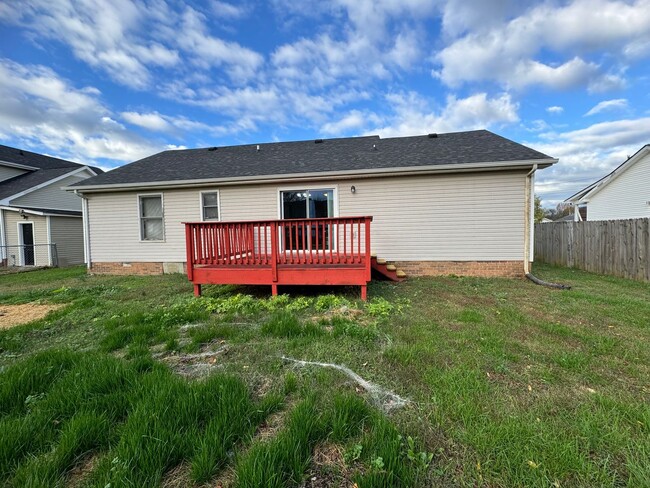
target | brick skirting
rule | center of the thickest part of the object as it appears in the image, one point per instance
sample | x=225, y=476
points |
x=486, y=269
x=137, y=268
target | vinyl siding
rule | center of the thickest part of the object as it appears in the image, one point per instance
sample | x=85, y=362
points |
x=115, y=227
x=52, y=196
x=625, y=197
x=7, y=172
x=40, y=237
x=67, y=234
x=462, y=217
x=469, y=217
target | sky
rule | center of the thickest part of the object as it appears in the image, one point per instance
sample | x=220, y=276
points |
x=107, y=82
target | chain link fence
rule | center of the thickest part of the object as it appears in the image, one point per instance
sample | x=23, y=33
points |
x=19, y=256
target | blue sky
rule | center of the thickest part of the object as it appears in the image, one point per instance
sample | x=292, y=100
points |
x=109, y=82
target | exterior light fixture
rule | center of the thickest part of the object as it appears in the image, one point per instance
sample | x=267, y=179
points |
x=353, y=189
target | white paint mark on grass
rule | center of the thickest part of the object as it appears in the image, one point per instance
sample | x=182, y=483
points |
x=382, y=398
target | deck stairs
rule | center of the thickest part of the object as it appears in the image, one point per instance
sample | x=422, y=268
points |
x=387, y=269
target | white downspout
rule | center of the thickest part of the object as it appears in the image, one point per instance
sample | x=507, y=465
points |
x=48, y=227
x=529, y=231
x=86, y=228
x=3, y=237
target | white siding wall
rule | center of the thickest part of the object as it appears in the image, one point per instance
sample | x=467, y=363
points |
x=52, y=196
x=467, y=217
x=115, y=227
x=67, y=234
x=7, y=172
x=462, y=217
x=40, y=237
x=625, y=197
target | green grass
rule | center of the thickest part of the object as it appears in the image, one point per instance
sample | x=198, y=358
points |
x=510, y=384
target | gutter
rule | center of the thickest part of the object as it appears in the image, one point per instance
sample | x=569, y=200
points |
x=18, y=165
x=331, y=175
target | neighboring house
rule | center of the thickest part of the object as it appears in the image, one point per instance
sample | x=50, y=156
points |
x=432, y=199
x=622, y=194
x=36, y=213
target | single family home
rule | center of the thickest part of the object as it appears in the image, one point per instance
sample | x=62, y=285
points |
x=40, y=223
x=622, y=194
x=318, y=211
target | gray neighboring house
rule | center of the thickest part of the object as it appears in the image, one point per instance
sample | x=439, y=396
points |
x=433, y=199
x=35, y=211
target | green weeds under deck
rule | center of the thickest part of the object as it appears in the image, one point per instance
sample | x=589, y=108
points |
x=511, y=384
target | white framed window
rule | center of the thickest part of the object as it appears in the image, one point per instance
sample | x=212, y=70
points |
x=307, y=203
x=152, y=220
x=210, y=205
x=301, y=203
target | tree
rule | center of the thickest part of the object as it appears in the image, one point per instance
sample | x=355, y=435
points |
x=561, y=210
x=539, y=211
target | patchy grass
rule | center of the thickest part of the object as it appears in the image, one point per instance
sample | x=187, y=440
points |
x=511, y=384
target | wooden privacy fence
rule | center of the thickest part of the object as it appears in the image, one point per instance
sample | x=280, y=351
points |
x=613, y=247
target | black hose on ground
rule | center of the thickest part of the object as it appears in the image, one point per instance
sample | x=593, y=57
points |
x=537, y=281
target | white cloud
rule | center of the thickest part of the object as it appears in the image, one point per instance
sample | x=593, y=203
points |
x=412, y=114
x=354, y=120
x=151, y=121
x=555, y=109
x=130, y=40
x=156, y=122
x=587, y=154
x=608, y=105
x=39, y=109
x=506, y=52
x=228, y=10
x=207, y=50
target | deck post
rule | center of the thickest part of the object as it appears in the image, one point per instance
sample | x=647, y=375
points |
x=274, y=289
x=368, y=252
x=197, y=290
x=364, y=292
x=189, y=249
x=274, y=253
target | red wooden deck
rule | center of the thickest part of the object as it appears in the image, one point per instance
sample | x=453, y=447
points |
x=325, y=251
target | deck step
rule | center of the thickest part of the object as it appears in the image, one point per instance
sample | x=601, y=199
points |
x=389, y=271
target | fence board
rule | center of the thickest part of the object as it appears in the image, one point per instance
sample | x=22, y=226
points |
x=613, y=247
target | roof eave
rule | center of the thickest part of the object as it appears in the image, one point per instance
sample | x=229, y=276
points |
x=250, y=180
x=43, y=213
x=17, y=165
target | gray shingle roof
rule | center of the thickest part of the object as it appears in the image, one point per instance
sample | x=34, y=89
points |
x=29, y=180
x=47, y=169
x=330, y=155
x=35, y=160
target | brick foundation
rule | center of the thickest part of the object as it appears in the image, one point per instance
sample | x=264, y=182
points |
x=485, y=269
x=137, y=268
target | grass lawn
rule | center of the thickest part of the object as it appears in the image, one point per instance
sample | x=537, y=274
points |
x=133, y=382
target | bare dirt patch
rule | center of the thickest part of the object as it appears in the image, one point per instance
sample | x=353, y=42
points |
x=196, y=365
x=13, y=315
x=79, y=474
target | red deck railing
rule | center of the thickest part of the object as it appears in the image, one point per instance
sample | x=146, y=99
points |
x=278, y=252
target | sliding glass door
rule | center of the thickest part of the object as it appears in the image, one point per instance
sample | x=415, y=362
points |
x=307, y=204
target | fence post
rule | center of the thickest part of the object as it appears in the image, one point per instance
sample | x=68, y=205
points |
x=55, y=256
